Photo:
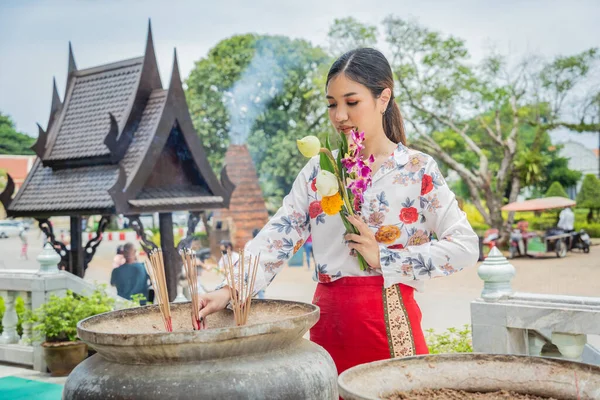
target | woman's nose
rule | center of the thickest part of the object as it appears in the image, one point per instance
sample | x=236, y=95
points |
x=341, y=115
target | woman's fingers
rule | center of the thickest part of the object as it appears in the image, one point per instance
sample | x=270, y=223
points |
x=352, y=237
x=363, y=229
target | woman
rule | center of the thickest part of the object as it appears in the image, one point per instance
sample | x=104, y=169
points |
x=369, y=315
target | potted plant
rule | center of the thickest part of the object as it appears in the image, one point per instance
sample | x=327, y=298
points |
x=55, y=325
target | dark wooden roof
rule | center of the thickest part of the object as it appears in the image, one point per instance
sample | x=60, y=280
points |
x=119, y=143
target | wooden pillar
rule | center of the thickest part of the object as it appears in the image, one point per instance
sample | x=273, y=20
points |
x=167, y=243
x=76, y=251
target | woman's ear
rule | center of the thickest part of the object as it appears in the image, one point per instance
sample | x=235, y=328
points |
x=384, y=99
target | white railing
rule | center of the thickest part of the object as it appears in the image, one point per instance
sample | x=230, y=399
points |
x=35, y=288
x=505, y=322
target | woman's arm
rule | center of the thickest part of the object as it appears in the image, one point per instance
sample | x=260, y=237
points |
x=285, y=232
x=457, y=246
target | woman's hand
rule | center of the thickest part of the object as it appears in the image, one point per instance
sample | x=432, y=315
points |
x=365, y=242
x=213, y=301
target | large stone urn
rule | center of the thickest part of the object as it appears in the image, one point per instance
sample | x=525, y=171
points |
x=543, y=377
x=268, y=358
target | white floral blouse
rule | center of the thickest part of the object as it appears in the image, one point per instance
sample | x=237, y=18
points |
x=407, y=203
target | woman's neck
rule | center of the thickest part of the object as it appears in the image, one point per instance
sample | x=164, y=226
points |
x=378, y=146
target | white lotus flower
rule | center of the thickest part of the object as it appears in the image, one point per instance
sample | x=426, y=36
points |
x=327, y=184
x=309, y=146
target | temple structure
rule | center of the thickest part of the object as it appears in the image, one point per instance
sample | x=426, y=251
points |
x=119, y=143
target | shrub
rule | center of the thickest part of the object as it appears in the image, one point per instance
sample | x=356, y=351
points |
x=56, y=320
x=556, y=190
x=453, y=340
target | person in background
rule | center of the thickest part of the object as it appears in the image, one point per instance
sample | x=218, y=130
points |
x=119, y=257
x=24, y=244
x=566, y=220
x=130, y=278
x=308, y=250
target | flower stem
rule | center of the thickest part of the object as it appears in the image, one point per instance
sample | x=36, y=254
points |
x=341, y=183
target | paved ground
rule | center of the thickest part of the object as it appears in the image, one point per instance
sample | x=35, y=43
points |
x=445, y=302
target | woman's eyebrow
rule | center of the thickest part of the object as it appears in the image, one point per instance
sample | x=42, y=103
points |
x=346, y=95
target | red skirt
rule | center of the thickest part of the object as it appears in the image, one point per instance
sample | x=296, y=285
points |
x=361, y=321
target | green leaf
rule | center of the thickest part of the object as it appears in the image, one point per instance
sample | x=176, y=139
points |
x=326, y=164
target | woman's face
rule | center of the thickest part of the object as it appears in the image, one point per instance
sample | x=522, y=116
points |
x=352, y=106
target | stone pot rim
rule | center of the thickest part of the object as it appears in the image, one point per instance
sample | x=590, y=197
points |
x=194, y=337
x=63, y=344
x=348, y=391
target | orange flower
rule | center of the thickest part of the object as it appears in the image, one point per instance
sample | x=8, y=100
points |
x=387, y=234
x=332, y=204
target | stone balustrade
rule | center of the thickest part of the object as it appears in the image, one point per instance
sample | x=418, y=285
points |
x=505, y=322
x=35, y=288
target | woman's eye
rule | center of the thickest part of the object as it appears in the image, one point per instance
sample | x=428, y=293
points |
x=352, y=103
x=330, y=105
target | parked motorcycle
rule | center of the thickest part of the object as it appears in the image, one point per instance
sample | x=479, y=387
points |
x=580, y=240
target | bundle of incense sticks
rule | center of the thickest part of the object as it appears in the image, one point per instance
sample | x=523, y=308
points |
x=191, y=273
x=155, y=267
x=241, y=285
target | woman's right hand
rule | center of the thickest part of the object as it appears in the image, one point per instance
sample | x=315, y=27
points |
x=214, y=301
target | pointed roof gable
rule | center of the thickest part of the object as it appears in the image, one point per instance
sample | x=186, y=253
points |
x=120, y=164
x=98, y=100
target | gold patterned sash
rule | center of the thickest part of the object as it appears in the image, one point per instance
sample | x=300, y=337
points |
x=399, y=330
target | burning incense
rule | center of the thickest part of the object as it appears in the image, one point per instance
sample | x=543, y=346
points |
x=191, y=273
x=241, y=285
x=155, y=267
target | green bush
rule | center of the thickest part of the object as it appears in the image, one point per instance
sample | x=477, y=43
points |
x=556, y=190
x=592, y=229
x=453, y=340
x=56, y=320
x=20, y=307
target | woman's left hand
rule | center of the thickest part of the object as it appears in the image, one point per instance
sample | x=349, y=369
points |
x=365, y=242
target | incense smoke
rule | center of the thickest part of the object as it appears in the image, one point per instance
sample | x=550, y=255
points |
x=258, y=85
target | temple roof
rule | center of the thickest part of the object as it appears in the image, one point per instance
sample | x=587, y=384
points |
x=96, y=92
x=119, y=143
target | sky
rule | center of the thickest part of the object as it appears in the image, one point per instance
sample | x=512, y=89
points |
x=34, y=35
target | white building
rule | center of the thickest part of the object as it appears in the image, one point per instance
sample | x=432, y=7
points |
x=582, y=159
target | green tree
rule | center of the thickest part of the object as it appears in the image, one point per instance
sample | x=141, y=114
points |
x=589, y=195
x=348, y=33
x=556, y=190
x=489, y=122
x=266, y=91
x=11, y=141
x=558, y=170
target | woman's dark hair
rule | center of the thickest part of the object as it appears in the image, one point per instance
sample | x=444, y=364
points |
x=370, y=68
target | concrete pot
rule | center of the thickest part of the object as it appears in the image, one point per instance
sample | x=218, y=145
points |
x=539, y=376
x=266, y=359
x=62, y=357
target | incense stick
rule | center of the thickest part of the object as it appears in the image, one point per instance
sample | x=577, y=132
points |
x=241, y=286
x=191, y=273
x=155, y=267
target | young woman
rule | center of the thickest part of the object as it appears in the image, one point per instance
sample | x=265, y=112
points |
x=369, y=315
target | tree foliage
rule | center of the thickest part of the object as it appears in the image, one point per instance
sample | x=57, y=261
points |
x=266, y=91
x=488, y=121
x=556, y=190
x=11, y=141
x=589, y=194
x=348, y=33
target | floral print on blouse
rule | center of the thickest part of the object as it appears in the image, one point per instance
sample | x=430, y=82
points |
x=408, y=202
